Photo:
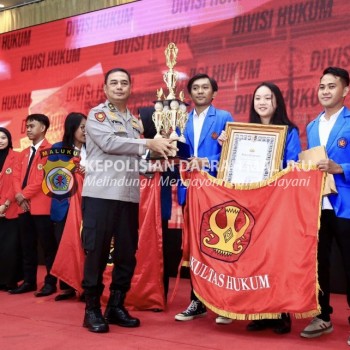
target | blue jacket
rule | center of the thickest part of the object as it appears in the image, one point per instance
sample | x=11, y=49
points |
x=208, y=146
x=338, y=149
x=292, y=148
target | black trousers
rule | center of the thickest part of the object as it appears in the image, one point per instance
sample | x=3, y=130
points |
x=34, y=228
x=104, y=219
x=332, y=227
x=10, y=253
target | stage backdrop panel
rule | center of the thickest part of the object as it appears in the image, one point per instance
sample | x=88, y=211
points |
x=58, y=67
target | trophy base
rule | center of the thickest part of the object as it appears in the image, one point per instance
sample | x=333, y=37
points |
x=182, y=153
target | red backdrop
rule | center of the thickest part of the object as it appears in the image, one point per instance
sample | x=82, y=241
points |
x=58, y=67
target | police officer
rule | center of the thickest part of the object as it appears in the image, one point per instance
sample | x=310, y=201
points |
x=110, y=200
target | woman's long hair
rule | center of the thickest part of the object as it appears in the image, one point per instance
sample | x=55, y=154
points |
x=280, y=117
x=4, y=152
x=71, y=125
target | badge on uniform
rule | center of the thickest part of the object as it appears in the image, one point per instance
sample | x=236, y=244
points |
x=135, y=125
x=342, y=142
x=40, y=167
x=8, y=171
x=121, y=129
x=214, y=135
x=100, y=116
x=111, y=107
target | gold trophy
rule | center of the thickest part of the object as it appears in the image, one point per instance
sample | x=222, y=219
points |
x=157, y=115
x=182, y=117
x=170, y=77
x=170, y=112
x=174, y=106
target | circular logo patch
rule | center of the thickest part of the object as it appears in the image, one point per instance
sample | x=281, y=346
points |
x=100, y=116
x=226, y=231
x=342, y=142
x=59, y=181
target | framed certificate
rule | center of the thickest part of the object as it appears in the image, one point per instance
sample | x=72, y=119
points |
x=252, y=152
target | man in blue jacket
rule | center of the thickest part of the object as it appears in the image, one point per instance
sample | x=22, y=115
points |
x=204, y=125
x=332, y=130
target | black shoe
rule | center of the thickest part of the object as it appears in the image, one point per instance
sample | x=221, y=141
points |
x=11, y=286
x=7, y=287
x=67, y=294
x=25, y=287
x=196, y=309
x=46, y=290
x=258, y=325
x=121, y=317
x=116, y=313
x=95, y=322
x=283, y=325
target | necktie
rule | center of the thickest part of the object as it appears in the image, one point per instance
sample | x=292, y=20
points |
x=25, y=180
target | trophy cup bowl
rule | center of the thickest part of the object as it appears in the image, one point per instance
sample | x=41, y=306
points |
x=170, y=114
x=157, y=118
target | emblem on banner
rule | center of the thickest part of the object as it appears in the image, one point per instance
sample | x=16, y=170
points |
x=58, y=180
x=342, y=142
x=226, y=231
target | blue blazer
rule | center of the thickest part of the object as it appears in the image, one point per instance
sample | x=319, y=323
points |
x=208, y=146
x=293, y=146
x=338, y=149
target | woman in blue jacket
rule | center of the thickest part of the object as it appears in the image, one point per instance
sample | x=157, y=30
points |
x=74, y=140
x=268, y=107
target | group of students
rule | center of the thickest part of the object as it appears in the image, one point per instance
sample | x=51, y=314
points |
x=331, y=129
x=267, y=107
x=29, y=216
x=114, y=134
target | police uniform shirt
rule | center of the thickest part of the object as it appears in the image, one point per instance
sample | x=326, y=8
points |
x=113, y=150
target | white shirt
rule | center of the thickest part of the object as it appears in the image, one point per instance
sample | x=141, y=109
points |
x=198, y=121
x=325, y=128
x=36, y=148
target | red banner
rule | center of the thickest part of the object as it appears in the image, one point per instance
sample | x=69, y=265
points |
x=147, y=291
x=69, y=261
x=252, y=250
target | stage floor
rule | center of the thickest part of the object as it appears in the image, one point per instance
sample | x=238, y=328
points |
x=27, y=322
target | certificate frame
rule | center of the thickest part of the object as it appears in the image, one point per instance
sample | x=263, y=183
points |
x=252, y=152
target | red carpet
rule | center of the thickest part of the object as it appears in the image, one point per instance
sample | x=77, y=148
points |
x=27, y=322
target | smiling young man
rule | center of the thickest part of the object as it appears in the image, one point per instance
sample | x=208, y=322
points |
x=332, y=130
x=110, y=200
x=34, y=209
x=205, y=124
